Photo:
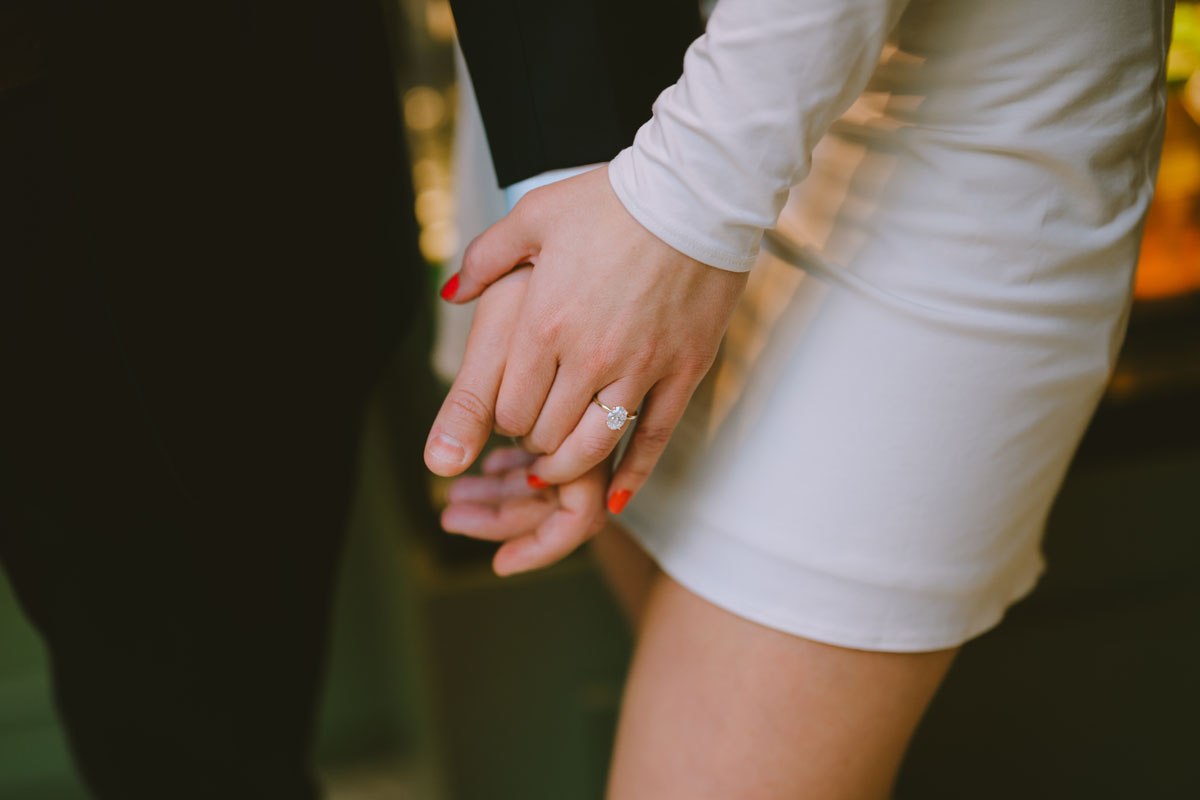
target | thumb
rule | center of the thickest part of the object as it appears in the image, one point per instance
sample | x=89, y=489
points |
x=503, y=247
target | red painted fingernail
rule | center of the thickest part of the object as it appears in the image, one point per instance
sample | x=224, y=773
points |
x=451, y=288
x=618, y=499
x=535, y=482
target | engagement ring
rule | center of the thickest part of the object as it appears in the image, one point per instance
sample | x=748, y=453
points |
x=617, y=415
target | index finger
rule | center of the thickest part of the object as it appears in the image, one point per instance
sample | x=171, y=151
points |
x=465, y=420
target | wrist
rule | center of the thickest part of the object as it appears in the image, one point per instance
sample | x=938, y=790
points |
x=519, y=189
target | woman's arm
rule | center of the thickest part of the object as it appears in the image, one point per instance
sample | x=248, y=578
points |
x=712, y=169
x=623, y=302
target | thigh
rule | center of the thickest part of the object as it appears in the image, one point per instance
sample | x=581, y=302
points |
x=718, y=706
x=626, y=567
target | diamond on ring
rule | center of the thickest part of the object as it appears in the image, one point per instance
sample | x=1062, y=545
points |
x=616, y=418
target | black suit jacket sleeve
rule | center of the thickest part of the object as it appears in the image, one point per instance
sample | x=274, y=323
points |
x=561, y=83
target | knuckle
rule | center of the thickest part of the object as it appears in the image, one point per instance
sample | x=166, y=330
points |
x=611, y=356
x=541, y=441
x=653, y=438
x=599, y=360
x=694, y=364
x=595, y=448
x=544, y=331
x=473, y=256
x=637, y=473
x=511, y=421
x=614, y=359
x=464, y=404
x=644, y=359
x=529, y=206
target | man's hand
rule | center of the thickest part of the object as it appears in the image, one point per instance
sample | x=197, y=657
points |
x=537, y=526
x=609, y=310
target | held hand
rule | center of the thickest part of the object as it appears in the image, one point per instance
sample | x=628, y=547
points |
x=609, y=310
x=537, y=526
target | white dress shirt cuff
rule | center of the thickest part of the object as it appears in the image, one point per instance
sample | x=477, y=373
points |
x=519, y=189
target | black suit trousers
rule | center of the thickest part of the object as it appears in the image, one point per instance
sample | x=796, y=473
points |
x=206, y=251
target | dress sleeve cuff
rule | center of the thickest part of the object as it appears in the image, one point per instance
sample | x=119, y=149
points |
x=662, y=209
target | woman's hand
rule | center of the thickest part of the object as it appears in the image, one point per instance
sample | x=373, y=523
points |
x=609, y=310
x=537, y=526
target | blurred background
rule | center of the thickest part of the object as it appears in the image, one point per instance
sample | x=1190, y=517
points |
x=446, y=683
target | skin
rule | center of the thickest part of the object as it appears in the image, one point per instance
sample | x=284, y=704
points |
x=716, y=706
x=610, y=310
x=535, y=527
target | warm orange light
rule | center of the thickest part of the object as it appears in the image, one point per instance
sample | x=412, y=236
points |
x=1170, y=259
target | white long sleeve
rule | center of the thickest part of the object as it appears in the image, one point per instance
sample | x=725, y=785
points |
x=712, y=169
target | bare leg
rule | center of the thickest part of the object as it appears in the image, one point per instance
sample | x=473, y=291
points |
x=629, y=571
x=720, y=707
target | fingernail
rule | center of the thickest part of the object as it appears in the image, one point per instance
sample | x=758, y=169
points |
x=618, y=499
x=535, y=482
x=448, y=449
x=451, y=288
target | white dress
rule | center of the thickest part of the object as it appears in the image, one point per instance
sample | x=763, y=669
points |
x=872, y=459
